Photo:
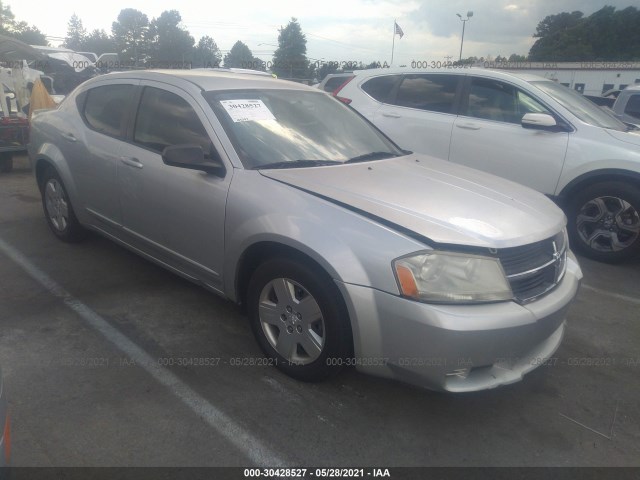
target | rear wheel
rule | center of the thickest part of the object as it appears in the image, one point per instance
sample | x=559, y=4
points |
x=298, y=319
x=604, y=221
x=6, y=162
x=58, y=210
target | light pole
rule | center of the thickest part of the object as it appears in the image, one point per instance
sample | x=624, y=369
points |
x=464, y=21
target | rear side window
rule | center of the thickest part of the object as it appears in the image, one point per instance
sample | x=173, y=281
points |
x=334, y=83
x=380, y=87
x=633, y=107
x=435, y=93
x=105, y=108
x=166, y=119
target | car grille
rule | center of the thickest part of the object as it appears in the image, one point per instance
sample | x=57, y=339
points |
x=535, y=269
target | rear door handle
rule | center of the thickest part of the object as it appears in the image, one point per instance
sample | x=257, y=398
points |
x=69, y=137
x=468, y=126
x=131, y=161
x=391, y=115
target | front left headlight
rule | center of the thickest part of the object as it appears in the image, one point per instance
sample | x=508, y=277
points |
x=449, y=277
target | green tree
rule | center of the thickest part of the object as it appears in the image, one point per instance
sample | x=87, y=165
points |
x=290, y=58
x=169, y=42
x=99, y=42
x=517, y=58
x=553, y=24
x=19, y=30
x=206, y=53
x=130, y=35
x=28, y=34
x=468, y=61
x=240, y=56
x=7, y=19
x=605, y=35
x=76, y=34
x=325, y=69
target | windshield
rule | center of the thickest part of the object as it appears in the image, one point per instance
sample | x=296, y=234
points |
x=290, y=128
x=581, y=107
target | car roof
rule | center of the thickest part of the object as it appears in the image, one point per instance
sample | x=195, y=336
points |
x=209, y=79
x=485, y=72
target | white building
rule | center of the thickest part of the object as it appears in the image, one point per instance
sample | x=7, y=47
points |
x=589, y=78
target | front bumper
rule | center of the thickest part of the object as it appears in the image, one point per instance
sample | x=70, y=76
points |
x=457, y=348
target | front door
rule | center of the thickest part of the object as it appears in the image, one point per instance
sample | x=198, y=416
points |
x=488, y=136
x=174, y=214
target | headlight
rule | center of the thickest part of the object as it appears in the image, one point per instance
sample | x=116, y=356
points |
x=447, y=277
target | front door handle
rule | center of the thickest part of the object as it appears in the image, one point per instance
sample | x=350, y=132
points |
x=69, y=137
x=391, y=115
x=131, y=161
x=468, y=126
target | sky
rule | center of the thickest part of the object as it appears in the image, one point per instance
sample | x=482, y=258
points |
x=336, y=30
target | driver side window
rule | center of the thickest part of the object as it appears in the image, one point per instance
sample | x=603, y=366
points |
x=166, y=119
x=494, y=100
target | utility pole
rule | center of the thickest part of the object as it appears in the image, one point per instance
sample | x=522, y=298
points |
x=464, y=22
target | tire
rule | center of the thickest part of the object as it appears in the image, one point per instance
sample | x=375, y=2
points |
x=6, y=163
x=604, y=221
x=299, y=319
x=58, y=209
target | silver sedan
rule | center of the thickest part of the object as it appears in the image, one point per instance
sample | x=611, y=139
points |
x=344, y=249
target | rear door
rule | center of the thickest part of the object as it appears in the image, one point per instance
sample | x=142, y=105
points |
x=92, y=150
x=420, y=112
x=488, y=135
x=174, y=214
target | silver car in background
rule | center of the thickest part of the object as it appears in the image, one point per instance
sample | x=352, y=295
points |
x=344, y=249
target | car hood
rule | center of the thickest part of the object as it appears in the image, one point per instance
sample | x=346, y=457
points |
x=445, y=202
x=627, y=137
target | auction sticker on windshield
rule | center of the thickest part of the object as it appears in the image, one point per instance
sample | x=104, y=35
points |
x=247, y=110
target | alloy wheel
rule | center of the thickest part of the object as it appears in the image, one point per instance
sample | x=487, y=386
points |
x=608, y=224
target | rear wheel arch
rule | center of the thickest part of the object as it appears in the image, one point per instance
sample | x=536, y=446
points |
x=42, y=164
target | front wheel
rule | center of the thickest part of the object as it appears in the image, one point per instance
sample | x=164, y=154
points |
x=299, y=319
x=58, y=210
x=604, y=221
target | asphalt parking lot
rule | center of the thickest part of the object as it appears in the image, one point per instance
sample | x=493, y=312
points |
x=92, y=338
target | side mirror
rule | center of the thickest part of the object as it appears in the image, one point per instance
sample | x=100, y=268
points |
x=191, y=157
x=541, y=121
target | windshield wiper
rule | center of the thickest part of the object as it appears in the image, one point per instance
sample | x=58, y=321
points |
x=297, y=164
x=372, y=156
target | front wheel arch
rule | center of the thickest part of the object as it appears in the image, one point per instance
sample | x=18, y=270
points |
x=593, y=177
x=317, y=286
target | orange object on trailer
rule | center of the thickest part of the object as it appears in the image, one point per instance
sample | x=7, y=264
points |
x=40, y=98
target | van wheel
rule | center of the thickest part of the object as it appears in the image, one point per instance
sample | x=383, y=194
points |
x=604, y=221
x=6, y=162
x=297, y=320
x=58, y=210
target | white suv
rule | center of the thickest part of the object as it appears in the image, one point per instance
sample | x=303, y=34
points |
x=522, y=127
